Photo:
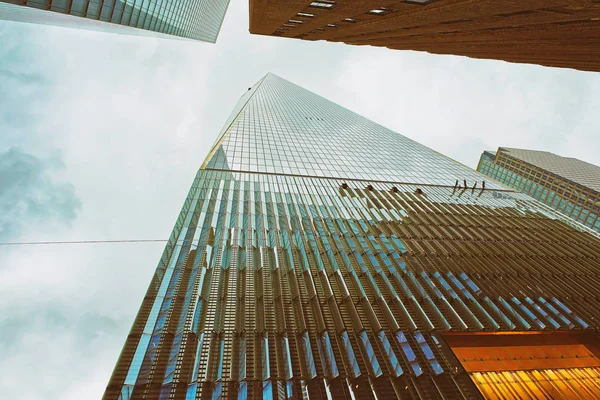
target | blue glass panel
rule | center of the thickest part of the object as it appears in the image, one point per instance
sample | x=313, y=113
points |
x=138, y=358
x=350, y=353
x=494, y=307
x=375, y=244
x=226, y=257
x=561, y=305
x=422, y=291
x=165, y=391
x=388, y=263
x=424, y=346
x=309, y=355
x=242, y=391
x=218, y=391
x=398, y=243
x=555, y=312
x=287, y=358
x=330, y=355
x=126, y=392
x=469, y=282
x=514, y=313
x=266, y=367
x=529, y=313
x=416, y=368
x=370, y=353
x=410, y=355
x=242, y=359
x=445, y=284
x=568, y=311
x=548, y=305
x=197, y=315
x=197, y=359
x=191, y=392
x=536, y=307
x=459, y=285
x=427, y=350
x=221, y=353
x=267, y=390
x=322, y=356
x=553, y=322
x=390, y=354
x=152, y=317
x=435, y=365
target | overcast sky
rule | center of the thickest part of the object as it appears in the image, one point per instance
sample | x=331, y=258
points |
x=102, y=134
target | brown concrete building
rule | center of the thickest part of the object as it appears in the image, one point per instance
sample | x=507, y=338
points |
x=558, y=33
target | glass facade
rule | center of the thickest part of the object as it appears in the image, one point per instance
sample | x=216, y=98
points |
x=185, y=19
x=569, y=186
x=285, y=129
x=319, y=255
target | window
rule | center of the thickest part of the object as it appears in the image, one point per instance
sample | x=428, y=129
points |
x=381, y=11
x=352, y=20
x=295, y=21
x=306, y=15
x=332, y=26
x=322, y=4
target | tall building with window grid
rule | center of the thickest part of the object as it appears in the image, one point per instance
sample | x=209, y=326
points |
x=319, y=255
x=181, y=19
x=557, y=33
x=568, y=185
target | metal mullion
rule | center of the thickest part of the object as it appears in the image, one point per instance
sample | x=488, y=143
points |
x=184, y=16
x=147, y=14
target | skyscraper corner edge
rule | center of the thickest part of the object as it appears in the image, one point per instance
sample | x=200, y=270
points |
x=203, y=23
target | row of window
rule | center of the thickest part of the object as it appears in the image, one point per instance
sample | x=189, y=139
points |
x=300, y=18
x=574, y=210
x=561, y=185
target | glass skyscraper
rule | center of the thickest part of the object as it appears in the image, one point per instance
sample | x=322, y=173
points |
x=320, y=255
x=568, y=185
x=184, y=19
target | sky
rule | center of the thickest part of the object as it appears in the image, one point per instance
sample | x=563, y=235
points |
x=101, y=136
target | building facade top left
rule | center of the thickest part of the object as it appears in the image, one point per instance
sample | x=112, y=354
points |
x=180, y=19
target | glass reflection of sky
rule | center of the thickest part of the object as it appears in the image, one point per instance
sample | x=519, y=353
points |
x=286, y=129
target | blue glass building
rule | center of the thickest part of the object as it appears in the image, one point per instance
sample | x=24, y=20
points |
x=183, y=19
x=319, y=255
x=568, y=185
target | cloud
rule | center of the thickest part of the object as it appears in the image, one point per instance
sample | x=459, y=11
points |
x=61, y=352
x=460, y=106
x=29, y=195
x=22, y=78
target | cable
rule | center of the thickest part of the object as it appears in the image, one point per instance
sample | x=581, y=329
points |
x=85, y=242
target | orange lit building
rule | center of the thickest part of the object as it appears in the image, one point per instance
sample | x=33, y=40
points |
x=558, y=33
